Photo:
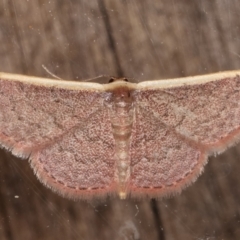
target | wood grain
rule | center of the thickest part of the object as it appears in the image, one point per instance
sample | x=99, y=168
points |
x=138, y=39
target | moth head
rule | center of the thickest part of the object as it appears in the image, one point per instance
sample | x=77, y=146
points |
x=114, y=79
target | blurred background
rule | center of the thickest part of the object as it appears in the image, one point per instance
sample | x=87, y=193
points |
x=140, y=39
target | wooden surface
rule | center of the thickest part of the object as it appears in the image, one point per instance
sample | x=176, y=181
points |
x=140, y=39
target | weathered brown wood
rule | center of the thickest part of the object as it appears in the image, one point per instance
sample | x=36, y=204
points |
x=139, y=39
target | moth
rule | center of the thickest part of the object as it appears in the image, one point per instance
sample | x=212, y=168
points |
x=86, y=140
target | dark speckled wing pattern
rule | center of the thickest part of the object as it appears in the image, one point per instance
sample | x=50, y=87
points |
x=63, y=131
x=177, y=126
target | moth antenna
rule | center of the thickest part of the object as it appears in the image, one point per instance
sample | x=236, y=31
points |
x=49, y=72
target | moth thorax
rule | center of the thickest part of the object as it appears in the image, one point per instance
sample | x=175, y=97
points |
x=122, y=114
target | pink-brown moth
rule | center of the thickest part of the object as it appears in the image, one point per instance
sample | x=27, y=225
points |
x=87, y=140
